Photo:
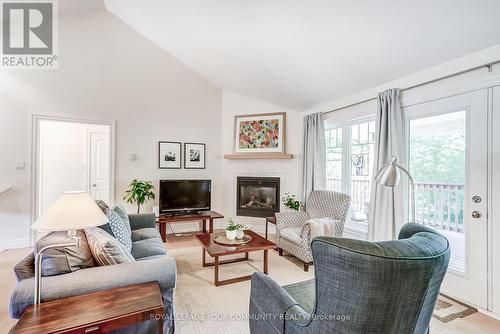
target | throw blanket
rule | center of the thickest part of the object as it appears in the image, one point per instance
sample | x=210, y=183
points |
x=321, y=227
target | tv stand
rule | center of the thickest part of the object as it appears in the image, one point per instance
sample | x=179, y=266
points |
x=202, y=217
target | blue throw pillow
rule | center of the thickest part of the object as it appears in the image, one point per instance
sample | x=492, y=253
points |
x=120, y=230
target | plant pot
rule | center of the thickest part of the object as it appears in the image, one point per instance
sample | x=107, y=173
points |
x=240, y=234
x=231, y=235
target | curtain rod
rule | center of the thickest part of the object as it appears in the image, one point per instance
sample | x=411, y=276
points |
x=488, y=66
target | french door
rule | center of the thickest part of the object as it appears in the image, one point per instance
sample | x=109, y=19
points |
x=447, y=155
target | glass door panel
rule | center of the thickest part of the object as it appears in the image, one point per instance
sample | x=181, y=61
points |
x=437, y=163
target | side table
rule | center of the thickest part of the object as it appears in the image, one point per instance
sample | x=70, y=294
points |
x=95, y=313
x=271, y=220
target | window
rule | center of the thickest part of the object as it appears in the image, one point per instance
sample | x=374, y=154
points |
x=349, y=164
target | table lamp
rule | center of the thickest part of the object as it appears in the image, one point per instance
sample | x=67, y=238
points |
x=389, y=175
x=73, y=210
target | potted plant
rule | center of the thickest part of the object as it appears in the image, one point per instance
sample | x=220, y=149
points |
x=231, y=229
x=241, y=231
x=139, y=192
x=291, y=202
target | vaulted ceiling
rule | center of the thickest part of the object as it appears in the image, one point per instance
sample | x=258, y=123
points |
x=301, y=53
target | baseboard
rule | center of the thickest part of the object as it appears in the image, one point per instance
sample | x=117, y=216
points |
x=18, y=243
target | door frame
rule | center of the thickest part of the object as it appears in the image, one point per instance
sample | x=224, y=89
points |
x=35, y=150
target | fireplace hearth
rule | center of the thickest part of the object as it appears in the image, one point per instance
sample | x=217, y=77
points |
x=257, y=196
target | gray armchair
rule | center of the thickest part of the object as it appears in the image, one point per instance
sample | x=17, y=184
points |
x=294, y=237
x=360, y=287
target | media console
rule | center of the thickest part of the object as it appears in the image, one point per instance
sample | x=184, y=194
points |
x=202, y=217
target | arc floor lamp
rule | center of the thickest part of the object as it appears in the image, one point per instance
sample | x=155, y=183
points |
x=389, y=175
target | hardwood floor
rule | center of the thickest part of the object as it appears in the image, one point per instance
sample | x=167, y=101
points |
x=477, y=323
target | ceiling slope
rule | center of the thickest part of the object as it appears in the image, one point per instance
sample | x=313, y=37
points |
x=298, y=53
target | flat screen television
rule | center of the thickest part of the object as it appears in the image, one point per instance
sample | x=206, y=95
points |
x=180, y=196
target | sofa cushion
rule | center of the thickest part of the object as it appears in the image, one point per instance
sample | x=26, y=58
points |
x=64, y=260
x=120, y=231
x=145, y=233
x=106, y=249
x=25, y=268
x=148, y=247
x=291, y=234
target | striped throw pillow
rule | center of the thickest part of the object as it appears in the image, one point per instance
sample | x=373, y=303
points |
x=105, y=249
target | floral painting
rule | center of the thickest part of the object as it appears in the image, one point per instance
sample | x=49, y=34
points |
x=259, y=133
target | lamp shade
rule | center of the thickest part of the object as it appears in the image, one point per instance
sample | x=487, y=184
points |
x=71, y=211
x=389, y=175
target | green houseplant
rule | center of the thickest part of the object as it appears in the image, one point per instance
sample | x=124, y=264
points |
x=291, y=202
x=139, y=192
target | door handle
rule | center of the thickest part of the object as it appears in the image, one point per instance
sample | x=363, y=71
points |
x=94, y=185
x=476, y=214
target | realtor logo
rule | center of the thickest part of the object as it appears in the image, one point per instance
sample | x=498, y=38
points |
x=29, y=31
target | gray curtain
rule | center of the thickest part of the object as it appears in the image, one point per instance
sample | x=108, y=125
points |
x=313, y=155
x=386, y=203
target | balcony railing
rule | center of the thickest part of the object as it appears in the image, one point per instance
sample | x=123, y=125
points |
x=438, y=205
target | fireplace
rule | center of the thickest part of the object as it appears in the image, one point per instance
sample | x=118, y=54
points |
x=257, y=196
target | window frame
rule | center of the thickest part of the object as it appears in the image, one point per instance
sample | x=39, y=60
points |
x=357, y=229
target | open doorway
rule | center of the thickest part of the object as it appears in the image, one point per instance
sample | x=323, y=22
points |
x=71, y=155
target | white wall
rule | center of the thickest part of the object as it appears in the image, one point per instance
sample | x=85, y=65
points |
x=287, y=170
x=63, y=164
x=107, y=72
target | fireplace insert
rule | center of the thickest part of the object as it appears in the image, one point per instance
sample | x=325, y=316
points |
x=257, y=196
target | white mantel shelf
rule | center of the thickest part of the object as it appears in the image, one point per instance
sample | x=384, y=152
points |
x=238, y=156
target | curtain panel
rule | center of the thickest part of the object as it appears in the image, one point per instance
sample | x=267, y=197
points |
x=386, y=203
x=313, y=172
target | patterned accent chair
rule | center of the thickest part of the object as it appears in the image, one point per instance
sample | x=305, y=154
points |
x=360, y=287
x=294, y=237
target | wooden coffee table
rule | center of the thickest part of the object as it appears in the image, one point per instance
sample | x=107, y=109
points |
x=215, y=250
x=96, y=312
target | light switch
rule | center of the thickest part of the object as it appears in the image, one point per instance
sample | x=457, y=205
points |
x=133, y=157
x=20, y=165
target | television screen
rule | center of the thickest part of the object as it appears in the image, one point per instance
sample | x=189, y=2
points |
x=184, y=195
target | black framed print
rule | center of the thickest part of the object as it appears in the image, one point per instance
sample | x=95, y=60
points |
x=169, y=155
x=194, y=156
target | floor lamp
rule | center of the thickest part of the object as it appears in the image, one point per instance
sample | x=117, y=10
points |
x=72, y=211
x=389, y=175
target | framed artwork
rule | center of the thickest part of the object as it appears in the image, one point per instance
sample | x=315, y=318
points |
x=263, y=133
x=194, y=156
x=169, y=155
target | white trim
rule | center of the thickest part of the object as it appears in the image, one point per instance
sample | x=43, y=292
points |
x=35, y=148
x=489, y=198
x=18, y=243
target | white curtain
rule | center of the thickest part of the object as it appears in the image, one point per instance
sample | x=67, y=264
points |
x=386, y=203
x=313, y=155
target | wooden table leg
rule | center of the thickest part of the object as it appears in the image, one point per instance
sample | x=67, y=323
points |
x=163, y=231
x=266, y=227
x=211, y=225
x=203, y=259
x=216, y=271
x=265, y=262
x=160, y=325
x=204, y=222
x=246, y=256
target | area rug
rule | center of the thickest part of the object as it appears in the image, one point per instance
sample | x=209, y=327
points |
x=448, y=309
x=201, y=307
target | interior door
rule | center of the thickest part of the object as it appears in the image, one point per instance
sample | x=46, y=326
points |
x=99, y=162
x=447, y=148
